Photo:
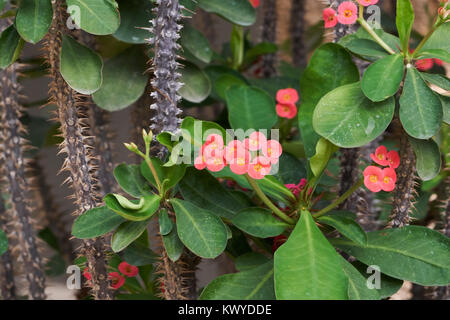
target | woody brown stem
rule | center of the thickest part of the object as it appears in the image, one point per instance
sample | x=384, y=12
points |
x=269, y=34
x=7, y=283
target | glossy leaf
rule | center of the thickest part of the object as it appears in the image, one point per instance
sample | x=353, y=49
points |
x=33, y=19
x=11, y=45
x=226, y=81
x=94, y=16
x=439, y=39
x=196, y=85
x=404, y=21
x=201, y=231
x=127, y=233
x=236, y=11
x=195, y=131
x=258, y=222
x=3, y=242
x=347, y=227
x=173, y=245
x=324, y=151
x=363, y=47
x=348, y=119
x=250, y=108
x=445, y=101
x=151, y=204
x=428, y=158
x=437, y=79
x=317, y=80
x=95, y=222
x=174, y=174
x=139, y=255
x=383, y=77
x=131, y=180
x=357, y=284
x=252, y=284
x=435, y=54
x=420, y=109
x=196, y=43
x=307, y=266
x=249, y=261
x=416, y=253
x=81, y=67
x=134, y=15
x=165, y=224
x=124, y=80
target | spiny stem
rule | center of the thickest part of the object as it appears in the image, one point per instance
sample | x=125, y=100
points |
x=339, y=200
x=267, y=201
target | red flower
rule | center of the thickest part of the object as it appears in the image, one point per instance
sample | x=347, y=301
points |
x=388, y=179
x=214, y=141
x=293, y=188
x=302, y=184
x=329, y=16
x=287, y=111
x=439, y=62
x=239, y=162
x=255, y=141
x=394, y=159
x=372, y=177
x=366, y=3
x=381, y=156
x=254, y=3
x=128, y=270
x=116, y=280
x=278, y=241
x=272, y=150
x=87, y=274
x=287, y=96
x=215, y=163
x=259, y=167
x=347, y=12
x=424, y=64
x=199, y=162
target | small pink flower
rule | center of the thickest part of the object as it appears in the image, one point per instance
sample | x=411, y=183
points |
x=380, y=157
x=366, y=3
x=128, y=270
x=287, y=111
x=388, y=180
x=87, y=274
x=302, y=184
x=259, y=167
x=240, y=161
x=394, y=159
x=254, y=3
x=293, y=188
x=372, y=177
x=424, y=64
x=215, y=164
x=255, y=141
x=117, y=280
x=438, y=62
x=199, y=163
x=214, y=141
x=287, y=96
x=272, y=150
x=329, y=16
x=347, y=12
x=231, y=149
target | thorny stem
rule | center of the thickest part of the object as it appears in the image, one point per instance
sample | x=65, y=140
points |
x=339, y=200
x=267, y=201
x=369, y=29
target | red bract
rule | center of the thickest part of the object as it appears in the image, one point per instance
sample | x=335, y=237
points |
x=394, y=159
x=287, y=96
x=293, y=188
x=240, y=161
x=272, y=151
x=214, y=141
x=366, y=3
x=128, y=270
x=117, y=280
x=380, y=157
x=439, y=62
x=329, y=16
x=372, y=177
x=215, y=163
x=87, y=274
x=347, y=12
x=259, y=167
x=424, y=64
x=255, y=141
x=389, y=177
x=255, y=3
x=287, y=111
x=231, y=150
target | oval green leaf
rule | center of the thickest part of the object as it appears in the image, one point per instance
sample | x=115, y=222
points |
x=126, y=233
x=95, y=222
x=33, y=19
x=348, y=119
x=196, y=43
x=131, y=180
x=249, y=261
x=259, y=222
x=165, y=224
x=236, y=11
x=404, y=21
x=151, y=205
x=196, y=85
x=81, y=67
x=134, y=16
x=11, y=45
x=437, y=79
x=173, y=245
x=357, y=284
x=138, y=255
x=201, y=231
x=428, y=158
x=346, y=226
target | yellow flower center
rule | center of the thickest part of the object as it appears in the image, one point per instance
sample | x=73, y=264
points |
x=286, y=109
x=373, y=178
x=386, y=179
x=380, y=156
x=287, y=96
x=240, y=161
x=257, y=167
x=269, y=152
x=217, y=161
x=348, y=13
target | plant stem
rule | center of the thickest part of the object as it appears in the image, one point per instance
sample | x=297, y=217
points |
x=267, y=201
x=153, y=170
x=367, y=27
x=341, y=199
x=424, y=40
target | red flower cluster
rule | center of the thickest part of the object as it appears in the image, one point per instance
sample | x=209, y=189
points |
x=117, y=280
x=427, y=64
x=347, y=13
x=286, y=100
x=254, y=156
x=376, y=178
x=255, y=3
x=296, y=188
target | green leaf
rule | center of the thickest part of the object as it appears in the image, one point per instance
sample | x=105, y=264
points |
x=437, y=79
x=420, y=109
x=33, y=19
x=348, y=119
x=131, y=180
x=214, y=72
x=194, y=130
x=165, y=224
x=252, y=284
x=307, y=266
x=428, y=158
x=127, y=233
x=324, y=151
x=439, y=39
x=81, y=67
x=404, y=21
x=127, y=204
x=382, y=79
x=291, y=169
x=196, y=43
x=226, y=81
x=124, y=80
x=3, y=242
x=173, y=174
x=139, y=255
x=259, y=222
x=236, y=11
x=435, y=54
x=392, y=41
x=412, y=253
x=237, y=46
x=249, y=261
x=3, y=4
x=196, y=85
x=95, y=17
x=95, y=222
x=11, y=45
x=250, y=108
x=365, y=48
x=357, y=284
x=446, y=108
x=258, y=50
x=201, y=231
x=173, y=245
x=347, y=227
x=151, y=205
x=317, y=80
x=203, y=190
x=134, y=15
